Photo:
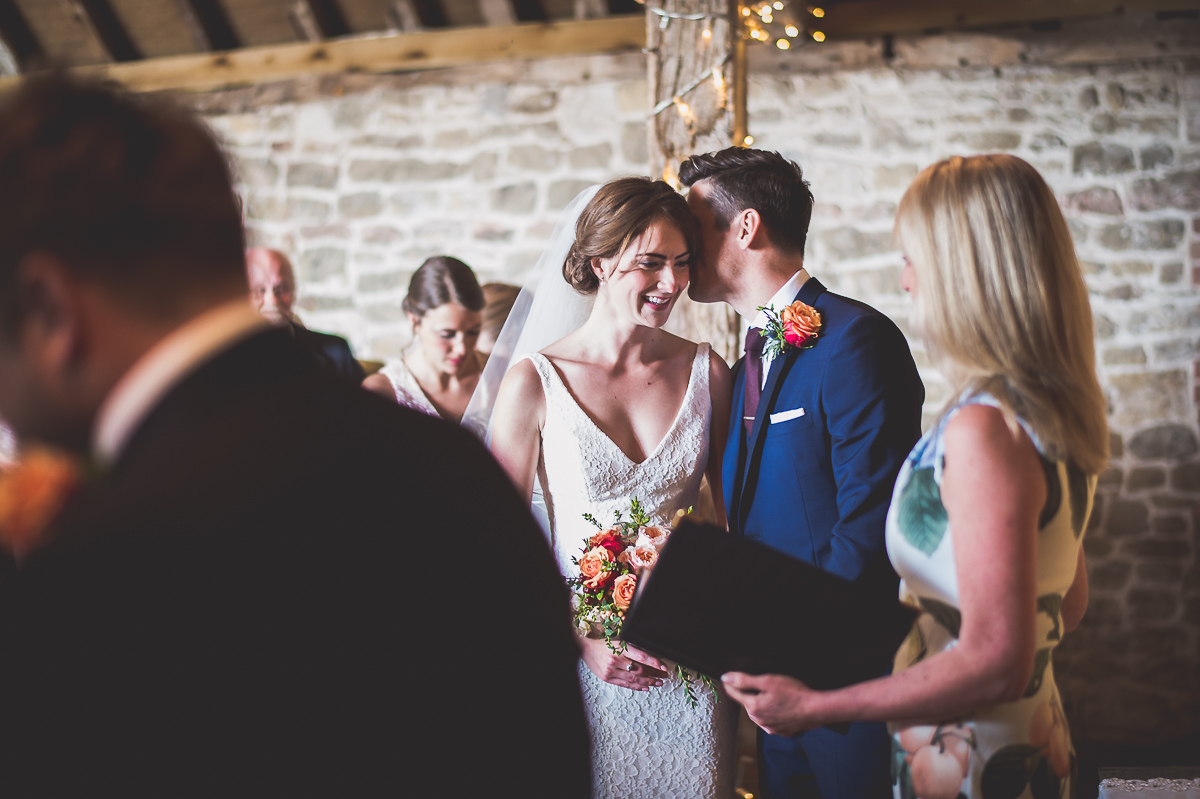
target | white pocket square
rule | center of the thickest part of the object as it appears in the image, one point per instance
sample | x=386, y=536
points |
x=784, y=416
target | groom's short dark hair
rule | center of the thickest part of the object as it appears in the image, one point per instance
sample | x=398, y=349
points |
x=742, y=178
x=129, y=190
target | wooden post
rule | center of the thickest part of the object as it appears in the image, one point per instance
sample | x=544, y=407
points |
x=696, y=86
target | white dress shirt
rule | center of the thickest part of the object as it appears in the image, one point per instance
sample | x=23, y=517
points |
x=782, y=299
x=162, y=367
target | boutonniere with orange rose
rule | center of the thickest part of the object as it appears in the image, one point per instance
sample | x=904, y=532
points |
x=32, y=492
x=609, y=566
x=795, y=327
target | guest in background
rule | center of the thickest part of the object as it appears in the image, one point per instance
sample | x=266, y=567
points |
x=273, y=292
x=990, y=507
x=498, y=301
x=445, y=306
x=232, y=604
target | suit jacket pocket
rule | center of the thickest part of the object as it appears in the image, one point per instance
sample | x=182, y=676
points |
x=787, y=423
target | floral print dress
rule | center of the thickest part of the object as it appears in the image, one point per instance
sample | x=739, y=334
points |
x=1010, y=750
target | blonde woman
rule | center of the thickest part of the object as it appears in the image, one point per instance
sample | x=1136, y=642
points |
x=990, y=508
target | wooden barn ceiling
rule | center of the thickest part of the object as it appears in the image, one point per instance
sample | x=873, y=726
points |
x=203, y=44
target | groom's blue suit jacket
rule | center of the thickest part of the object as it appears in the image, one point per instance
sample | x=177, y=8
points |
x=816, y=484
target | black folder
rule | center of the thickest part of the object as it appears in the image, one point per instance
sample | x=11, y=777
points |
x=716, y=602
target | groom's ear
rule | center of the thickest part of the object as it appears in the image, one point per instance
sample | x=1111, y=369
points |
x=52, y=309
x=748, y=227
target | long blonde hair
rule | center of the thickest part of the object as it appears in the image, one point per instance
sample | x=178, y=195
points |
x=1000, y=299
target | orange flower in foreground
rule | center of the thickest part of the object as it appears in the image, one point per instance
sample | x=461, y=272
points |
x=623, y=590
x=801, y=323
x=31, y=494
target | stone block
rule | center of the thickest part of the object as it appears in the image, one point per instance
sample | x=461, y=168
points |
x=403, y=171
x=1096, y=547
x=1150, y=397
x=1122, y=292
x=1110, y=575
x=1089, y=98
x=1127, y=518
x=483, y=166
x=1102, y=158
x=895, y=177
x=1156, y=234
x=1116, y=444
x=1177, y=190
x=317, y=176
x=1186, y=477
x=385, y=281
x=1103, y=611
x=1105, y=327
x=1169, y=525
x=635, y=145
x=840, y=139
x=847, y=243
x=990, y=140
x=1171, y=273
x=382, y=235
x=533, y=157
x=1019, y=115
x=1164, y=127
x=322, y=263
x=319, y=303
x=1096, y=200
x=1131, y=268
x=1146, y=604
x=1176, y=350
x=303, y=208
x=391, y=142
x=492, y=233
x=1114, y=95
x=384, y=313
x=361, y=205
x=335, y=231
x=1156, y=155
x=563, y=191
x=532, y=101
x=1111, y=477
x=257, y=172
x=1171, y=549
x=519, y=198
x=1041, y=142
x=1144, y=477
x=1104, y=123
x=1120, y=356
x=597, y=156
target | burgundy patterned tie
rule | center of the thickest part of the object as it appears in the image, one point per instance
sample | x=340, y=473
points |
x=754, y=349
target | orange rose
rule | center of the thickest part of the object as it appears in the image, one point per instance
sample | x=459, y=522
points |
x=31, y=494
x=592, y=562
x=652, y=536
x=623, y=590
x=801, y=323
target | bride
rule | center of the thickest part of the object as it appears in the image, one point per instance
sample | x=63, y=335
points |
x=620, y=408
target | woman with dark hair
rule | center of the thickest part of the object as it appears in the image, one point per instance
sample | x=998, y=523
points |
x=618, y=409
x=445, y=306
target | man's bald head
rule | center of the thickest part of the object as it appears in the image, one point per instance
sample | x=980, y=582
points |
x=272, y=283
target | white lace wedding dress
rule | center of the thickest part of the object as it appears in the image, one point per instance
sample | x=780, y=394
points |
x=644, y=744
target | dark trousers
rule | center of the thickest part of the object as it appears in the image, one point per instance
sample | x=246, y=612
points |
x=826, y=764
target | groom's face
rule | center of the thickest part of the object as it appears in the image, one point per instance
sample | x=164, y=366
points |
x=710, y=271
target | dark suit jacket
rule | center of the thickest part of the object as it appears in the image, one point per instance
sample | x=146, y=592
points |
x=817, y=486
x=332, y=353
x=289, y=586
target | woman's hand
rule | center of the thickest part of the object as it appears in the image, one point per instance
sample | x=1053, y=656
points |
x=780, y=705
x=631, y=669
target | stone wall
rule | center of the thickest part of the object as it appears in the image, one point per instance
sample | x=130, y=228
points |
x=361, y=178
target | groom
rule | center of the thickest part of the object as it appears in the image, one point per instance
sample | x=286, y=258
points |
x=818, y=433
x=275, y=583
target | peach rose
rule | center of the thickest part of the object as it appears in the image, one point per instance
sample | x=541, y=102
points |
x=652, y=536
x=801, y=323
x=623, y=590
x=592, y=562
x=31, y=494
x=643, y=557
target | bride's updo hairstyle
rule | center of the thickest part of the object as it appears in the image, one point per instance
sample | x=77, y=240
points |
x=621, y=211
x=440, y=280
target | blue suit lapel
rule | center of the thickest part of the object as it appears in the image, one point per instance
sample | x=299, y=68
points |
x=751, y=454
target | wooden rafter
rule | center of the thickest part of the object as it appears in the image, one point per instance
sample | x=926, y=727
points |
x=108, y=28
x=861, y=18
x=497, y=12
x=401, y=52
x=209, y=25
x=19, y=37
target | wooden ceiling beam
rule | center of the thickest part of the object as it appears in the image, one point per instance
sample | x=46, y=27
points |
x=497, y=12
x=853, y=19
x=108, y=29
x=19, y=37
x=208, y=24
x=402, y=52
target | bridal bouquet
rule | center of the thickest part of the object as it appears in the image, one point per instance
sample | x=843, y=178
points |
x=609, y=565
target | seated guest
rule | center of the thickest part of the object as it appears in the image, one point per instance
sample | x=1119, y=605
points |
x=445, y=306
x=272, y=292
x=498, y=302
x=270, y=585
x=990, y=508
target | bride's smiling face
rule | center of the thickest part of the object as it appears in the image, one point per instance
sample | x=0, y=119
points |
x=645, y=281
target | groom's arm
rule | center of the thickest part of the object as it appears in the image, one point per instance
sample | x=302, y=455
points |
x=872, y=395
